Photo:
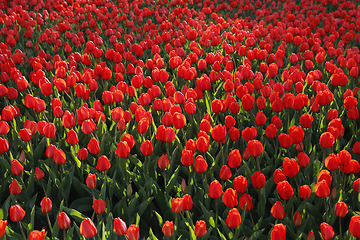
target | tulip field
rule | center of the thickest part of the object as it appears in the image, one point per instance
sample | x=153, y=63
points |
x=179, y=119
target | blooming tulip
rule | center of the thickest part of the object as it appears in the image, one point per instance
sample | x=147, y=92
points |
x=168, y=229
x=200, y=228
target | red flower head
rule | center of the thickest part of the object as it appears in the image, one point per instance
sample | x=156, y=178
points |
x=16, y=213
x=240, y=184
x=290, y=167
x=168, y=229
x=200, y=164
x=327, y=231
x=258, y=179
x=103, y=163
x=46, y=205
x=219, y=133
x=322, y=189
x=87, y=228
x=37, y=235
x=99, y=206
x=63, y=221
x=230, y=198
x=277, y=210
x=354, y=226
x=327, y=140
x=278, y=232
x=341, y=209
x=285, y=190
x=215, y=189
x=119, y=226
x=245, y=199
x=233, y=219
x=200, y=228
x=255, y=148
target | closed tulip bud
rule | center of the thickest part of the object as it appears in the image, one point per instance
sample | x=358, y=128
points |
x=39, y=174
x=60, y=157
x=123, y=149
x=183, y=185
x=87, y=228
x=16, y=213
x=72, y=138
x=255, y=148
x=129, y=190
x=3, y=224
x=22, y=156
x=14, y=188
x=83, y=154
x=354, y=226
x=187, y=158
x=146, y=148
x=290, y=167
x=215, y=189
x=200, y=228
x=168, y=229
x=240, y=184
x=63, y=220
x=278, y=232
x=93, y=146
x=277, y=210
x=233, y=219
x=341, y=209
x=50, y=151
x=133, y=233
x=91, y=181
x=99, y=206
x=297, y=219
x=285, y=190
x=37, y=235
x=16, y=167
x=234, y=159
x=333, y=193
x=311, y=235
x=200, y=164
x=46, y=205
x=304, y=192
x=327, y=231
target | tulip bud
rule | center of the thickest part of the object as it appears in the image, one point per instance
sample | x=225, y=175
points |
x=22, y=156
x=16, y=167
x=3, y=224
x=37, y=235
x=183, y=185
x=39, y=174
x=14, y=188
x=311, y=235
x=297, y=219
x=333, y=193
x=91, y=181
x=16, y=213
x=129, y=190
x=46, y=205
x=133, y=233
x=87, y=228
x=63, y=221
x=119, y=226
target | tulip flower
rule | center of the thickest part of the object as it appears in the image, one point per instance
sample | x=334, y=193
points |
x=234, y=159
x=240, y=184
x=341, y=209
x=297, y=219
x=187, y=202
x=277, y=210
x=245, y=199
x=215, y=189
x=46, y=205
x=168, y=229
x=93, y=146
x=230, y=198
x=63, y=220
x=233, y=219
x=119, y=226
x=3, y=224
x=16, y=167
x=16, y=213
x=354, y=226
x=99, y=206
x=177, y=205
x=200, y=164
x=14, y=188
x=87, y=228
x=132, y=232
x=200, y=228
x=278, y=232
x=322, y=189
x=103, y=163
x=327, y=231
x=285, y=190
x=37, y=235
x=258, y=180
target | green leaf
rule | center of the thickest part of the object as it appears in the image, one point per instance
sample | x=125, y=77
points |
x=192, y=233
x=207, y=215
x=161, y=222
x=172, y=181
x=39, y=150
x=75, y=214
x=144, y=205
x=222, y=237
x=152, y=236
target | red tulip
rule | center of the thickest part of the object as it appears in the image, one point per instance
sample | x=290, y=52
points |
x=103, y=163
x=230, y=198
x=133, y=233
x=123, y=149
x=225, y=173
x=59, y=157
x=46, y=205
x=72, y=138
x=99, y=206
x=119, y=226
x=200, y=228
x=271, y=131
x=290, y=167
x=303, y=159
x=331, y=162
x=326, y=140
x=200, y=164
x=322, y=189
x=354, y=226
x=341, y=209
x=87, y=228
x=285, y=140
x=202, y=144
x=240, y=184
x=3, y=224
x=233, y=219
x=39, y=174
x=93, y=146
x=278, y=232
x=187, y=202
x=215, y=189
x=285, y=190
x=4, y=128
x=219, y=133
x=304, y=192
x=177, y=205
x=50, y=130
x=25, y=134
x=14, y=188
x=63, y=220
x=306, y=120
x=163, y=161
x=234, y=159
x=187, y=158
x=249, y=133
x=297, y=219
x=325, y=175
x=16, y=167
x=245, y=199
x=311, y=235
x=37, y=235
x=146, y=148
x=16, y=213
x=327, y=231
x=344, y=157
x=255, y=148
x=277, y=210
x=83, y=154
x=296, y=134
x=168, y=229
x=258, y=180
x=248, y=102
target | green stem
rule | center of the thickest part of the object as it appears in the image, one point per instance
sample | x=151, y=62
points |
x=22, y=231
x=48, y=219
